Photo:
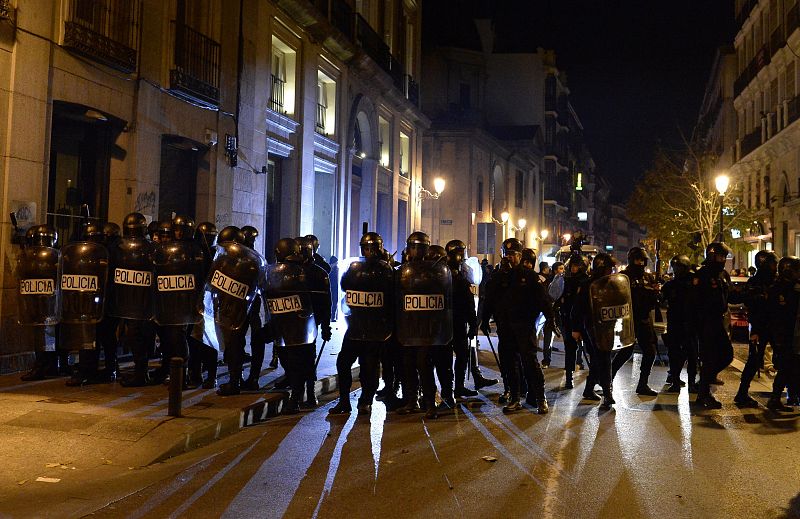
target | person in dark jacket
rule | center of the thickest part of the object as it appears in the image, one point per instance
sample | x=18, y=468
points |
x=680, y=337
x=334, y=276
x=783, y=309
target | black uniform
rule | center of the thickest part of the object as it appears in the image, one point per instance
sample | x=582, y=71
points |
x=465, y=324
x=681, y=338
x=567, y=302
x=711, y=284
x=756, y=292
x=783, y=303
x=645, y=299
x=516, y=298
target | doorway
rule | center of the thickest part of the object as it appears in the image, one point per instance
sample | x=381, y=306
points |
x=177, y=187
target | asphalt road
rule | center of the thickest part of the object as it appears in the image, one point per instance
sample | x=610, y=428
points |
x=648, y=457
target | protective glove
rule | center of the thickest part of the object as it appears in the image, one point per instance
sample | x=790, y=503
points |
x=326, y=332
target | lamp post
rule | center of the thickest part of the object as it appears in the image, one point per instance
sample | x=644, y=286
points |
x=424, y=194
x=504, y=218
x=721, y=182
x=521, y=226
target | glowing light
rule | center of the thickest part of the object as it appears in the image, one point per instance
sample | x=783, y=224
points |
x=504, y=216
x=545, y=234
x=521, y=223
x=722, y=182
x=438, y=185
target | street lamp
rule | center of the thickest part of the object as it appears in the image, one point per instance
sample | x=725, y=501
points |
x=438, y=187
x=504, y=218
x=721, y=182
x=566, y=237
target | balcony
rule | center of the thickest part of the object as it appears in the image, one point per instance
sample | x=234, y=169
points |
x=792, y=20
x=195, y=72
x=744, y=13
x=276, y=94
x=750, y=142
x=776, y=41
x=105, y=31
x=373, y=44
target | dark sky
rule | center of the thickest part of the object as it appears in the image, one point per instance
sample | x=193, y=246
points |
x=637, y=70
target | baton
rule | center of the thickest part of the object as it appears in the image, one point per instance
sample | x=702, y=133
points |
x=319, y=356
x=493, y=352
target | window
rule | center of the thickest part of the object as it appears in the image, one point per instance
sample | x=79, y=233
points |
x=549, y=130
x=790, y=80
x=325, y=122
x=405, y=155
x=282, y=94
x=519, y=191
x=464, y=96
x=479, y=204
x=385, y=141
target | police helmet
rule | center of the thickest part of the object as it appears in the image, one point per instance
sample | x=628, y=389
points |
x=250, y=235
x=766, y=259
x=43, y=235
x=134, y=224
x=456, y=244
x=789, y=268
x=717, y=252
x=638, y=254
x=579, y=262
x=680, y=265
x=314, y=241
x=285, y=248
x=417, y=245
x=512, y=245
x=231, y=233
x=111, y=231
x=92, y=232
x=152, y=228
x=371, y=245
x=183, y=226
x=165, y=231
x=435, y=253
x=208, y=232
x=306, y=248
x=529, y=258
x=602, y=265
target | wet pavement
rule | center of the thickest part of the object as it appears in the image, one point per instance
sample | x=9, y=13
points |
x=648, y=457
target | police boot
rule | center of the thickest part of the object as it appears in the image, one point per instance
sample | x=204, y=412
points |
x=642, y=388
x=589, y=392
x=480, y=381
x=64, y=369
x=233, y=386
x=39, y=369
x=412, y=406
x=707, y=400
x=311, y=401
x=431, y=411
x=110, y=369
x=608, y=400
x=292, y=404
x=542, y=407
x=775, y=404
x=568, y=380
x=342, y=406
x=194, y=377
x=461, y=391
x=513, y=405
x=139, y=378
x=274, y=362
x=85, y=370
x=364, y=408
x=743, y=399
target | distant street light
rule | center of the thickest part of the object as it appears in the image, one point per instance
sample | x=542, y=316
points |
x=545, y=233
x=722, y=182
x=567, y=237
x=504, y=218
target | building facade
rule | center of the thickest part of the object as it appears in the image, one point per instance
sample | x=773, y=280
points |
x=767, y=105
x=295, y=117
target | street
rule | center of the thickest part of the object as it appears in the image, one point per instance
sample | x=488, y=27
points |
x=648, y=457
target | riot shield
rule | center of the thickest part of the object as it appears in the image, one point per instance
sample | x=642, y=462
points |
x=367, y=303
x=178, y=267
x=232, y=284
x=612, y=320
x=206, y=330
x=82, y=279
x=130, y=291
x=288, y=300
x=424, y=298
x=556, y=288
x=39, y=293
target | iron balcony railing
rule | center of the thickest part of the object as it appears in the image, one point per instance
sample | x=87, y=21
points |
x=196, y=65
x=320, y=121
x=373, y=44
x=106, y=31
x=276, y=94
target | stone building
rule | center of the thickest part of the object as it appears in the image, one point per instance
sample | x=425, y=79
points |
x=293, y=116
x=767, y=147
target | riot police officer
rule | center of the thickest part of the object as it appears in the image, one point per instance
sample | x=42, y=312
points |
x=575, y=276
x=292, y=317
x=318, y=259
x=107, y=328
x=369, y=312
x=320, y=288
x=132, y=293
x=258, y=344
x=37, y=273
x=202, y=356
x=516, y=298
x=783, y=302
x=644, y=295
x=711, y=285
x=178, y=267
x=680, y=337
x=424, y=321
x=598, y=332
x=755, y=298
x=465, y=321
x=236, y=274
x=84, y=272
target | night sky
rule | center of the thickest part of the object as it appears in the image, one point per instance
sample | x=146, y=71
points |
x=636, y=70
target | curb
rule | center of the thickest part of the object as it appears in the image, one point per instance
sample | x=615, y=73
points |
x=268, y=405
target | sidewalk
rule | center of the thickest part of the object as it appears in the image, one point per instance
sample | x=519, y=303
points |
x=61, y=433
